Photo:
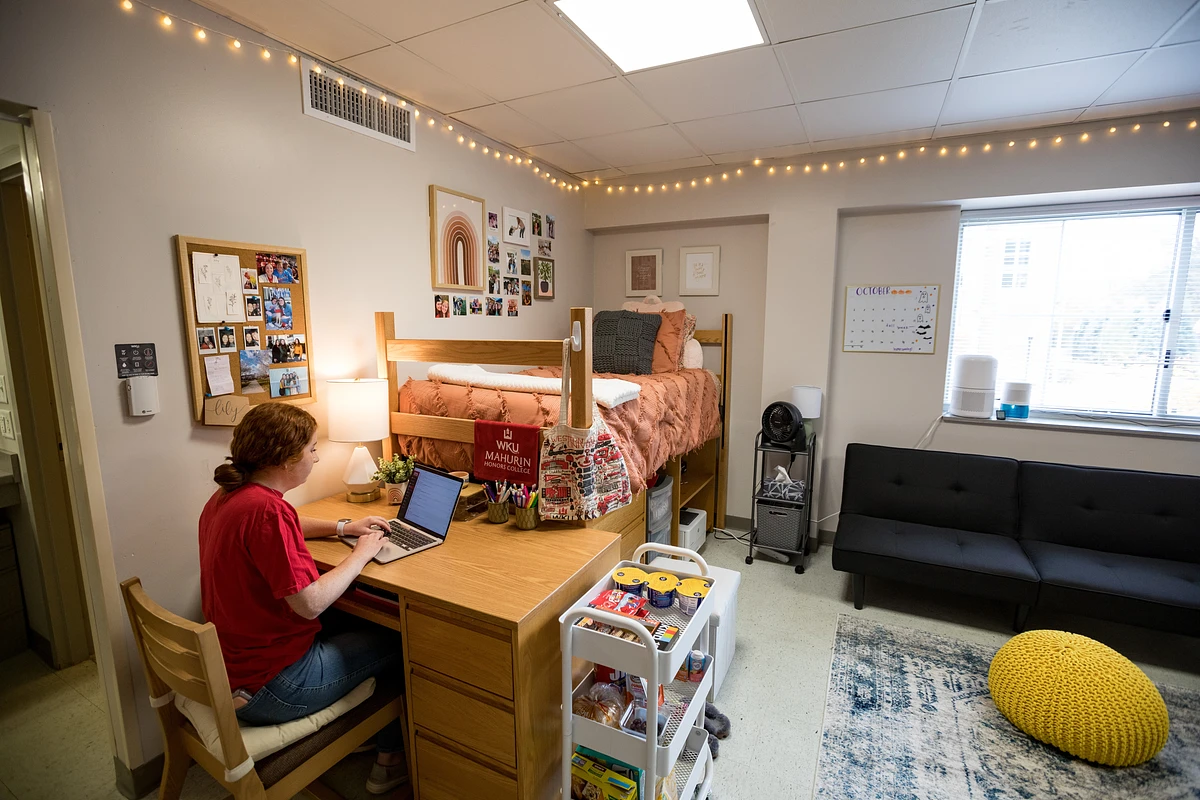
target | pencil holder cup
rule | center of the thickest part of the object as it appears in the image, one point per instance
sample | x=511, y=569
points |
x=527, y=518
x=497, y=512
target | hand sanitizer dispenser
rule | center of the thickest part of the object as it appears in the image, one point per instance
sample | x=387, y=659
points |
x=142, y=393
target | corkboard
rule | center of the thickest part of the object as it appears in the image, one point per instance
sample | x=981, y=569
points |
x=268, y=371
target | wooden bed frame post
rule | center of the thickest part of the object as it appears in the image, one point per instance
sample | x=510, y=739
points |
x=581, y=370
x=385, y=328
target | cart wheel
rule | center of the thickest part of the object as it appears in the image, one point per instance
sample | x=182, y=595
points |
x=799, y=569
x=749, y=559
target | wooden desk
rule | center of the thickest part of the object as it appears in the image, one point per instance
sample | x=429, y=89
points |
x=479, y=616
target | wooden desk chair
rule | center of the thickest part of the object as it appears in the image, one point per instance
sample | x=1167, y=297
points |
x=185, y=657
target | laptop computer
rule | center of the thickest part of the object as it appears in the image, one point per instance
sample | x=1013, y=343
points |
x=424, y=516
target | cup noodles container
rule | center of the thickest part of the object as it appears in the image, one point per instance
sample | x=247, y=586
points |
x=661, y=587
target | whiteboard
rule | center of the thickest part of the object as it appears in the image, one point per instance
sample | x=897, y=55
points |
x=890, y=319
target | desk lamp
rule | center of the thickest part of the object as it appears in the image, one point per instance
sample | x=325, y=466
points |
x=358, y=412
x=808, y=400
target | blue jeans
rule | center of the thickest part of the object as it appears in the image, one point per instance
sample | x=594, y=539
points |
x=333, y=666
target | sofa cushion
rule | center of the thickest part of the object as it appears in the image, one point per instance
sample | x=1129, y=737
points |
x=1148, y=514
x=1152, y=592
x=975, y=563
x=945, y=490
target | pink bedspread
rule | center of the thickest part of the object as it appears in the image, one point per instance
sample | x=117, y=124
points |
x=675, y=413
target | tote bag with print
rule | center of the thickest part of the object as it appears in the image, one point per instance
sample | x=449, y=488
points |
x=582, y=474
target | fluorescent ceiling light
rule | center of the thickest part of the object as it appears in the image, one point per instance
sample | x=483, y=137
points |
x=637, y=34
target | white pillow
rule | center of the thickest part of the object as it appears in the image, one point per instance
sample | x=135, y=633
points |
x=693, y=355
x=263, y=740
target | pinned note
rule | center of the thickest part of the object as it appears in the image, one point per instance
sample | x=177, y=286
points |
x=225, y=410
x=220, y=381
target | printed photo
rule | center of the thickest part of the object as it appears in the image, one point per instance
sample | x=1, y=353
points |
x=252, y=337
x=249, y=281
x=227, y=338
x=512, y=286
x=493, y=220
x=512, y=307
x=254, y=308
x=276, y=268
x=526, y=263
x=206, y=340
x=441, y=306
x=544, y=247
x=289, y=381
x=526, y=293
x=287, y=348
x=277, y=308
x=550, y=226
x=460, y=306
x=255, y=369
x=536, y=224
x=516, y=226
x=493, y=284
x=476, y=306
x=495, y=305
x=510, y=261
x=493, y=250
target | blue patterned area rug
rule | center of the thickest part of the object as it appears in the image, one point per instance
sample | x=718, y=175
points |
x=908, y=717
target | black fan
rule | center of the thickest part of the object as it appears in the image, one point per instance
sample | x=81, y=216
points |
x=783, y=426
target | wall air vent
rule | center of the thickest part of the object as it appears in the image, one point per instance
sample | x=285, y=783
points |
x=357, y=106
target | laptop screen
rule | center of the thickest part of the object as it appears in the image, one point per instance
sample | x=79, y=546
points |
x=430, y=500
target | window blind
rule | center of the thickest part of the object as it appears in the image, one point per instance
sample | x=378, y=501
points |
x=1097, y=306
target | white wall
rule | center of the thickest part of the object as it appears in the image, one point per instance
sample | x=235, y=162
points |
x=159, y=135
x=743, y=286
x=802, y=277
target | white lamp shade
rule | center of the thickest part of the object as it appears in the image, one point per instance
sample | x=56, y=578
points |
x=358, y=410
x=808, y=400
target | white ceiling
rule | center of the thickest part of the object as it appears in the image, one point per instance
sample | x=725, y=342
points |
x=832, y=75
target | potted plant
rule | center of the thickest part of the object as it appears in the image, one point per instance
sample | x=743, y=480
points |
x=394, y=474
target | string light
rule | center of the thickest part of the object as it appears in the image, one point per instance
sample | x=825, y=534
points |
x=862, y=161
x=292, y=58
x=200, y=34
x=808, y=168
x=942, y=152
x=403, y=103
x=1012, y=144
x=536, y=170
x=962, y=150
x=341, y=82
x=1033, y=143
x=771, y=171
x=987, y=148
x=739, y=172
x=693, y=184
x=757, y=161
x=472, y=144
x=664, y=187
x=1058, y=140
x=266, y=54
x=841, y=165
x=486, y=150
x=882, y=158
x=237, y=44
x=610, y=190
x=708, y=178
x=1192, y=125
x=922, y=150
x=449, y=127
x=317, y=68
x=649, y=190
x=166, y=21
x=724, y=176
x=127, y=5
x=364, y=91
x=789, y=167
x=460, y=139
x=1083, y=138
x=677, y=185
x=620, y=188
x=431, y=122
x=901, y=154
x=1137, y=126
x=1167, y=124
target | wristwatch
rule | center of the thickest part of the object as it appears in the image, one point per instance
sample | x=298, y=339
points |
x=342, y=526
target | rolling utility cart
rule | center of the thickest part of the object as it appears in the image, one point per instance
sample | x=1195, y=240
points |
x=683, y=743
x=779, y=520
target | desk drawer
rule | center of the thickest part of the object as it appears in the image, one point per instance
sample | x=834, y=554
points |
x=462, y=649
x=480, y=726
x=444, y=775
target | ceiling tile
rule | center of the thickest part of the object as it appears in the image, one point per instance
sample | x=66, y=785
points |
x=872, y=140
x=602, y=174
x=770, y=127
x=513, y=52
x=639, y=147
x=877, y=112
x=399, y=70
x=744, y=80
x=667, y=166
x=1027, y=33
x=1009, y=123
x=592, y=109
x=743, y=156
x=1112, y=111
x=1189, y=31
x=507, y=125
x=889, y=55
x=792, y=19
x=307, y=24
x=1075, y=84
x=1165, y=72
x=567, y=156
x=402, y=19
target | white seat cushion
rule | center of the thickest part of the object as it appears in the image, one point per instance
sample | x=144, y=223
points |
x=263, y=740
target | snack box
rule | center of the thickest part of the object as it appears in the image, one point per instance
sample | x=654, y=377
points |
x=598, y=782
x=630, y=605
x=664, y=635
x=621, y=633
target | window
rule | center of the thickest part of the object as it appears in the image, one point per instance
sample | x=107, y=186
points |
x=1098, y=306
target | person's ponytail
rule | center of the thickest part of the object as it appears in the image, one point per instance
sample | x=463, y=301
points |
x=230, y=477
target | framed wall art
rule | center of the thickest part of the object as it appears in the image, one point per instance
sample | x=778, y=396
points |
x=516, y=227
x=643, y=272
x=700, y=270
x=543, y=268
x=456, y=239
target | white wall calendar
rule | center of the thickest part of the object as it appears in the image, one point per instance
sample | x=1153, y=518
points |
x=890, y=319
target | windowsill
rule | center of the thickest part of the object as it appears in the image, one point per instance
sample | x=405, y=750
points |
x=1106, y=427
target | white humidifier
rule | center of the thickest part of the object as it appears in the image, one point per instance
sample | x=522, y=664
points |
x=973, y=386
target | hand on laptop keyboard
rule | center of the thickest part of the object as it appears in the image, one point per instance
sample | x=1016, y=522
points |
x=405, y=537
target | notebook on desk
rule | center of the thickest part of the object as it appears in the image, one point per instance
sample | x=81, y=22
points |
x=424, y=516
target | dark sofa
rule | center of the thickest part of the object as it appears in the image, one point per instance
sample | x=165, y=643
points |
x=1116, y=544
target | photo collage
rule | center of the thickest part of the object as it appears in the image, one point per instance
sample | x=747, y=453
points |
x=525, y=243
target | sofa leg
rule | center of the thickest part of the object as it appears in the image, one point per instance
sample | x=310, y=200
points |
x=1021, y=616
x=860, y=589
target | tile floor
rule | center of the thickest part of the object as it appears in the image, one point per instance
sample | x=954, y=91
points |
x=54, y=736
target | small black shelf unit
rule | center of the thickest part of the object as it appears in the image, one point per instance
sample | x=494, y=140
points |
x=776, y=523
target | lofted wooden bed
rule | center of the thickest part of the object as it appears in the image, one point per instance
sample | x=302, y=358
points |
x=703, y=485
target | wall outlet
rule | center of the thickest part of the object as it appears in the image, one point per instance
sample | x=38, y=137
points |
x=7, y=428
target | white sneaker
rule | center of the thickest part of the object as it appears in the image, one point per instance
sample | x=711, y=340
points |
x=384, y=779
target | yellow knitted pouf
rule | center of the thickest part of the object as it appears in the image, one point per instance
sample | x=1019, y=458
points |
x=1079, y=695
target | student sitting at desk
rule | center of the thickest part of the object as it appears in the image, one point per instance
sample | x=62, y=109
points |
x=260, y=587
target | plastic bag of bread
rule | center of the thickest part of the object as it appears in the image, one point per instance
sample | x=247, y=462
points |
x=604, y=703
x=667, y=790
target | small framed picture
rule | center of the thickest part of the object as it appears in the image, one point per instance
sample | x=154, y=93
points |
x=512, y=307
x=493, y=250
x=493, y=221
x=250, y=281
x=546, y=248
x=254, y=308
x=456, y=239
x=227, y=339
x=536, y=223
x=700, y=270
x=252, y=338
x=544, y=285
x=476, y=306
x=516, y=227
x=510, y=260
x=206, y=340
x=549, y=226
x=526, y=293
x=441, y=306
x=495, y=305
x=277, y=308
x=460, y=305
x=643, y=272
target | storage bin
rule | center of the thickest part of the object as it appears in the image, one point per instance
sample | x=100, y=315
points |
x=658, y=504
x=660, y=536
x=693, y=524
x=779, y=526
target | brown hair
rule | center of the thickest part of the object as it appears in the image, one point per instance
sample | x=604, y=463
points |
x=270, y=435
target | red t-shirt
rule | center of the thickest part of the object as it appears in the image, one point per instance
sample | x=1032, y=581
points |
x=252, y=556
